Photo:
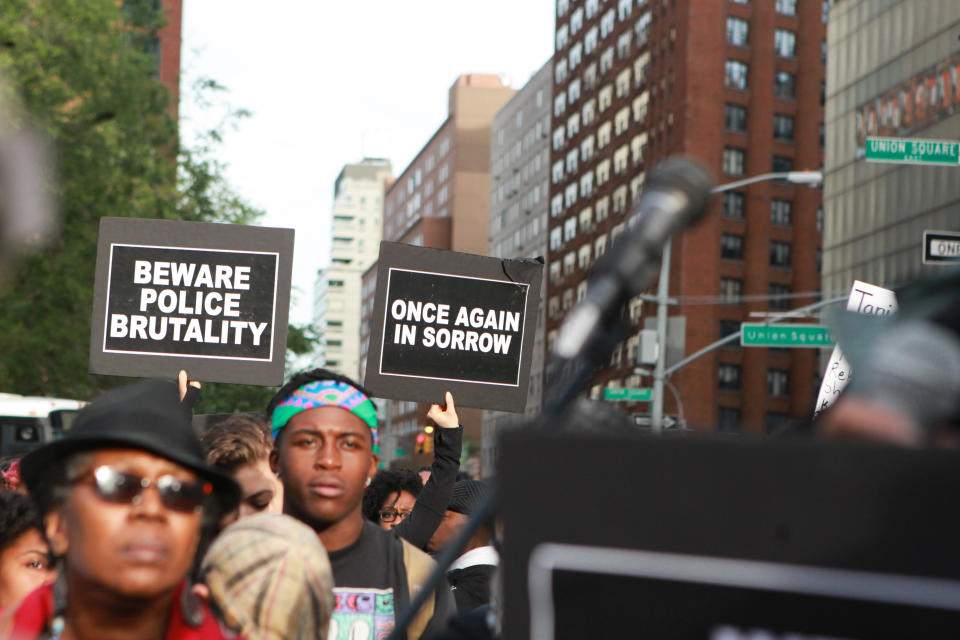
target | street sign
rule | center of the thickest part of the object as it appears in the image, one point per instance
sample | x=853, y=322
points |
x=941, y=247
x=644, y=421
x=913, y=151
x=785, y=335
x=628, y=394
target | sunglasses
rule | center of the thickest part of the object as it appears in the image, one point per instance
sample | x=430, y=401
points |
x=120, y=487
x=389, y=515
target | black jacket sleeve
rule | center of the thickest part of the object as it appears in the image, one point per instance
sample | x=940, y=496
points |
x=427, y=513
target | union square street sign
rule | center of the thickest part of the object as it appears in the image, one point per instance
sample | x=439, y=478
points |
x=913, y=151
x=785, y=335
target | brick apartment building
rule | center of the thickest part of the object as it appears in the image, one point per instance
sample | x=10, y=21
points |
x=441, y=200
x=737, y=84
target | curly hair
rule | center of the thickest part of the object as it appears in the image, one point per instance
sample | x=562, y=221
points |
x=18, y=515
x=239, y=440
x=388, y=481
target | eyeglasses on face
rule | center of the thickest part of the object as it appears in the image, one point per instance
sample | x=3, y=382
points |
x=120, y=487
x=393, y=515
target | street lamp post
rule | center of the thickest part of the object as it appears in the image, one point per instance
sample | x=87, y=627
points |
x=663, y=286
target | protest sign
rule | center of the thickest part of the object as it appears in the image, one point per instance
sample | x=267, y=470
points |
x=209, y=298
x=864, y=298
x=447, y=321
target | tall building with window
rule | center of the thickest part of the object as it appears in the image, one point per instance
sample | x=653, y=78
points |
x=737, y=84
x=357, y=218
x=441, y=200
x=519, y=190
x=907, y=86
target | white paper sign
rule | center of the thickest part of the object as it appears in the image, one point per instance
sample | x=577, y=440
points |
x=864, y=298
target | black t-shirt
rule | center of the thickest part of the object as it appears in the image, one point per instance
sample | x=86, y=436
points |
x=371, y=586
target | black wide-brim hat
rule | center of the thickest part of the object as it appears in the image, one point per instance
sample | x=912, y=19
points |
x=146, y=416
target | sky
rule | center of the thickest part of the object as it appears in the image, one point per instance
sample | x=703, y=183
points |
x=329, y=82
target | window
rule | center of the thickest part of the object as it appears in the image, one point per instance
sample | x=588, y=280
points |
x=583, y=256
x=640, y=67
x=819, y=219
x=606, y=60
x=780, y=254
x=737, y=31
x=556, y=173
x=728, y=327
x=776, y=421
x=553, y=305
x=605, y=97
x=555, y=238
x=562, y=7
x=642, y=28
x=571, y=164
x=781, y=164
x=570, y=194
x=623, y=83
x=569, y=260
x=603, y=172
x=783, y=85
x=603, y=134
x=563, y=35
x=586, y=218
x=559, y=103
x=573, y=125
x=555, y=269
x=559, y=137
x=783, y=127
x=623, y=9
x=556, y=205
x=733, y=160
x=623, y=45
x=590, y=40
x=731, y=289
x=736, y=74
x=586, y=184
x=576, y=21
x=784, y=43
x=787, y=7
x=731, y=246
x=560, y=71
x=780, y=297
x=637, y=147
x=780, y=212
x=620, y=198
x=603, y=208
x=728, y=419
x=567, y=299
x=640, y=106
x=600, y=245
x=576, y=55
x=728, y=377
x=735, y=117
x=590, y=75
x=589, y=112
x=778, y=382
x=606, y=23
x=570, y=229
x=592, y=6
x=586, y=148
x=621, y=121
x=733, y=205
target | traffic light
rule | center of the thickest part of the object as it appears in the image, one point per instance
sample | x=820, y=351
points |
x=421, y=443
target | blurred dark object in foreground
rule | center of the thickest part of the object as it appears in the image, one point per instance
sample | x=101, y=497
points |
x=700, y=537
x=905, y=386
x=28, y=217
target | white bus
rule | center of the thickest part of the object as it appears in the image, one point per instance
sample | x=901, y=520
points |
x=26, y=422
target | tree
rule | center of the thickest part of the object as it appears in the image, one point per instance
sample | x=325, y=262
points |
x=84, y=72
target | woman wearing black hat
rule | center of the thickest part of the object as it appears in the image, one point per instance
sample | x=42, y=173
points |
x=126, y=496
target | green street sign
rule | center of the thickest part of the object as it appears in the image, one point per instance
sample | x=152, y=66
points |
x=628, y=395
x=785, y=335
x=913, y=151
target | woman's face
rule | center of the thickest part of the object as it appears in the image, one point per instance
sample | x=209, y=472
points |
x=24, y=566
x=140, y=548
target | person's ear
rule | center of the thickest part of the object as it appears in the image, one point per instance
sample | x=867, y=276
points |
x=202, y=591
x=275, y=461
x=374, y=461
x=55, y=527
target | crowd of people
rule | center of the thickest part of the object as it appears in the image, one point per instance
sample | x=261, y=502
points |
x=274, y=525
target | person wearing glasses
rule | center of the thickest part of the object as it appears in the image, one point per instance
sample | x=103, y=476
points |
x=126, y=495
x=324, y=427
x=397, y=499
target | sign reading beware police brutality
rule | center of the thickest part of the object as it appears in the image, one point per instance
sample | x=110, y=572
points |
x=447, y=321
x=209, y=298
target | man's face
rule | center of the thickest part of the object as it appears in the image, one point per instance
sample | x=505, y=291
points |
x=139, y=550
x=324, y=458
x=402, y=503
x=452, y=523
x=24, y=566
x=261, y=488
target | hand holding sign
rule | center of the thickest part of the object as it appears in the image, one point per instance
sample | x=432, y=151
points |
x=446, y=418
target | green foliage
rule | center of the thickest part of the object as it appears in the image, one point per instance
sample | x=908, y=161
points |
x=84, y=72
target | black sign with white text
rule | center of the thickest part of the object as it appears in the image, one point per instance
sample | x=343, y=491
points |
x=941, y=247
x=452, y=321
x=189, y=302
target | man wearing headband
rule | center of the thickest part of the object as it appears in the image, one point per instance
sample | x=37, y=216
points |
x=325, y=450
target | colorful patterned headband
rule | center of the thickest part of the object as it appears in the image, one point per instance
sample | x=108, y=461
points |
x=326, y=393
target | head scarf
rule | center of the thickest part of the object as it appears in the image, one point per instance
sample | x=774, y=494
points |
x=326, y=393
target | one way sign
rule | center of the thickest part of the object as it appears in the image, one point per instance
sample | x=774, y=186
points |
x=941, y=247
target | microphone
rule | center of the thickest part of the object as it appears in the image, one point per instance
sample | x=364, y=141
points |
x=675, y=194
